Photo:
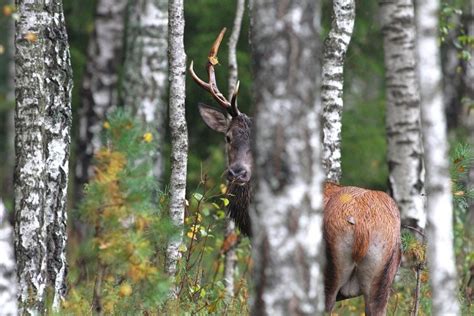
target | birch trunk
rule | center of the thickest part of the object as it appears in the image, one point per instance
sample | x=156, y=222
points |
x=99, y=84
x=335, y=48
x=439, y=233
x=287, y=210
x=8, y=284
x=146, y=69
x=42, y=125
x=405, y=149
x=178, y=129
x=231, y=256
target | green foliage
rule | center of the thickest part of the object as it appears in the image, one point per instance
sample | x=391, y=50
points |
x=118, y=266
x=450, y=15
x=462, y=160
x=199, y=281
x=120, y=260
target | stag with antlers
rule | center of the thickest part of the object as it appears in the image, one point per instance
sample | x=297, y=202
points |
x=361, y=227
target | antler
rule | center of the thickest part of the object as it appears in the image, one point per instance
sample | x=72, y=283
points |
x=211, y=86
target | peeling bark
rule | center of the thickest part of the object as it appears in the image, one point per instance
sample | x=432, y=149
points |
x=8, y=284
x=287, y=210
x=146, y=69
x=42, y=125
x=99, y=84
x=405, y=149
x=231, y=256
x=335, y=48
x=439, y=229
x=178, y=129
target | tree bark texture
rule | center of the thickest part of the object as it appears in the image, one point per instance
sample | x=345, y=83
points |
x=178, y=128
x=42, y=125
x=146, y=69
x=405, y=149
x=439, y=229
x=8, y=283
x=231, y=256
x=287, y=210
x=334, y=53
x=99, y=85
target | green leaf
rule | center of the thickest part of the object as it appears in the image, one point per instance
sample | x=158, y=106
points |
x=182, y=248
x=226, y=201
x=197, y=196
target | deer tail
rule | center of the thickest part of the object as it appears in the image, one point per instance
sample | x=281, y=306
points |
x=361, y=242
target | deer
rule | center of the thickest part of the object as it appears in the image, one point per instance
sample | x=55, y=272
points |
x=361, y=227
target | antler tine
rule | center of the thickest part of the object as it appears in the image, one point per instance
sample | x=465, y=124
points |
x=211, y=86
x=198, y=80
x=233, y=101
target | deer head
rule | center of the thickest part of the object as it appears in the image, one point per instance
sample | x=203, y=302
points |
x=236, y=126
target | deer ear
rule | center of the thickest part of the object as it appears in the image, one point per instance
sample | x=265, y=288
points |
x=213, y=118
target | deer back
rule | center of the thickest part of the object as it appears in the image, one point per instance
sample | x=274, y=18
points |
x=361, y=215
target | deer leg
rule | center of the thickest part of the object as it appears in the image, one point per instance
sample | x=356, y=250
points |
x=338, y=272
x=376, y=298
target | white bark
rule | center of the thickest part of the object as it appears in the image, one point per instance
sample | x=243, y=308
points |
x=335, y=48
x=8, y=283
x=439, y=230
x=231, y=256
x=42, y=124
x=287, y=210
x=146, y=69
x=405, y=150
x=99, y=84
x=178, y=129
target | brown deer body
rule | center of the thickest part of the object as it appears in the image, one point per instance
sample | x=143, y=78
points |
x=361, y=227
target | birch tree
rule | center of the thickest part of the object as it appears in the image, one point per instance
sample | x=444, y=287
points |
x=335, y=48
x=42, y=128
x=178, y=129
x=231, y=256
x=287, y=211
x=8, y=287
x=439, y=230
x=99, y=84
x=405, y=150
x=146, y=69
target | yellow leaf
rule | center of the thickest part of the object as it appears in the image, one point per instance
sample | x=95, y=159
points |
x=191, y=235
x=148, y=137
x=106, y=125
x=8, y=10
x=125, y=290
x=182, y=248
x=31, y=37
x=213, y=60
x=223, y=188
x=459, y=193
